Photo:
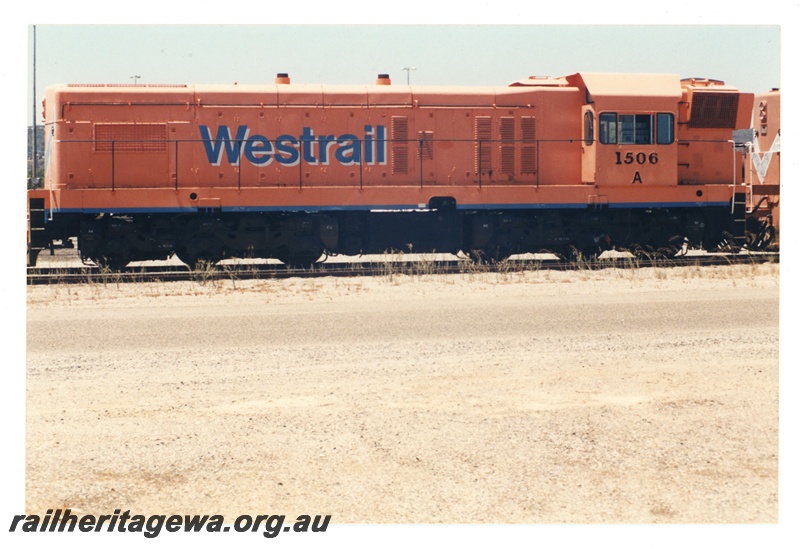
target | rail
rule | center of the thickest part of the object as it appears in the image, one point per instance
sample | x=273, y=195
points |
x=388, y=265
x=352, y=161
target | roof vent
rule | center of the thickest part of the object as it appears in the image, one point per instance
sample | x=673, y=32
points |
x=282, y=78
x=383, y=80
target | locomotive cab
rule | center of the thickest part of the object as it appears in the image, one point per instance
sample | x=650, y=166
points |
x=629, y=129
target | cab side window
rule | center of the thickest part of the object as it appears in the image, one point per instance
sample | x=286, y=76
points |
x=588, y=128
x=666, y=128
x=608, y=128
x=637, y=129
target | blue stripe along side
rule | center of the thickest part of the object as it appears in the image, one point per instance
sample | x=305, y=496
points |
x=389, y=207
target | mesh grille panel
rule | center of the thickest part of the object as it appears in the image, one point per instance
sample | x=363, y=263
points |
x=399, y=144
x=507, y=147
x=130, y=137
x=483, y=150
x=714, y=110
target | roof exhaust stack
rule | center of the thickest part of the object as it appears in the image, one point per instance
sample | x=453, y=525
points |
x=282, y=78
x=383, y=80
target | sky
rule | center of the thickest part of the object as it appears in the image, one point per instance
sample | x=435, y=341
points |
x=468, y=42
x=747, y=57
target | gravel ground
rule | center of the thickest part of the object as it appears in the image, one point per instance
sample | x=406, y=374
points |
x=645, y=396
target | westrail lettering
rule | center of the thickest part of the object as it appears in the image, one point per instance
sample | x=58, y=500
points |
x=346, y=149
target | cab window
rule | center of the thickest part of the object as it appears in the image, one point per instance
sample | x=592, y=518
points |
x=608, y=128
x=588, y=128
x=665, y=128
x=637, y=129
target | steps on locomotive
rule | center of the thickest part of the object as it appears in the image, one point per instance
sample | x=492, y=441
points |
x=739, y=215
x=36, y=227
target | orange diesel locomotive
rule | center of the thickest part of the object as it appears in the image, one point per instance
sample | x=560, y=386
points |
x=762, y=179
x=579, y=163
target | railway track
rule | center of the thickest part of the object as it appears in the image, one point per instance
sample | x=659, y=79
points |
x=385, y=267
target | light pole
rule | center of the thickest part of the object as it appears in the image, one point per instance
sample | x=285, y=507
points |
x=135, y=78
x=408, y=74
x=33, y=162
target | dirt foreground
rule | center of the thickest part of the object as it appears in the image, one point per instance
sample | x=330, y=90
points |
x=645, y=396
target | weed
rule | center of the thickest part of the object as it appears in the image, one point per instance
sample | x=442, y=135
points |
x=204, y=272
x=231, y=272
x=391, y=265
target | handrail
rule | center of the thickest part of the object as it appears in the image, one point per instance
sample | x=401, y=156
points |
x=471, y=159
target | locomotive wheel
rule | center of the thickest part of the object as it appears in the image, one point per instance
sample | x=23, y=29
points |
x=585, y=254
x=304, y=260
x=111, y=263
x=115, y=254
x=729, y=243
x=492, y=255
x=477, y=256
x=652, y=253
x=639, y=252
x=761, y=239
x=302, y=253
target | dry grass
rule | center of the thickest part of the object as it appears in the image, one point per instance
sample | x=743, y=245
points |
x=422, y=275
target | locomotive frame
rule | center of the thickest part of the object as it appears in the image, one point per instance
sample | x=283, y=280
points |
x=572, y=165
